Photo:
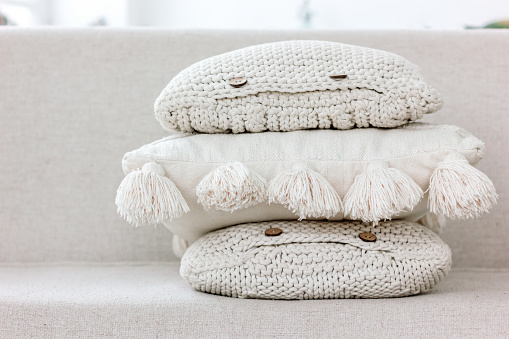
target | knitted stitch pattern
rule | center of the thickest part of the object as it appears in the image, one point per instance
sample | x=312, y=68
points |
x=289, y=88
x=317, y=260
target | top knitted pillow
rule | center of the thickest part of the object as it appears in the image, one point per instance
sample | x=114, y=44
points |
x=295, y=85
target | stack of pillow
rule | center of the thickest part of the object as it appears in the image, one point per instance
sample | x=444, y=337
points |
x=289, y=162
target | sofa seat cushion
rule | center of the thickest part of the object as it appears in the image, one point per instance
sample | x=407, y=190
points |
x=149, y=300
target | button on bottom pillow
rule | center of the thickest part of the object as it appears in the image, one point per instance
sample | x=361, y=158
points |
x=317, y=260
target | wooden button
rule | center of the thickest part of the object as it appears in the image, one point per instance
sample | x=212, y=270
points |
x=272, y=232
x=338, y=76
x=238, y=82
x=368, y=237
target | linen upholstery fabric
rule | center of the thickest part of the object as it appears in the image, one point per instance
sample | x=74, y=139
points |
x=317, y=260
x=74, y=102
x=338, y=156
x=134, y=300
x=289, y=88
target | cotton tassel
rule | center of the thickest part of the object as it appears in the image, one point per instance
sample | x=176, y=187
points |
x=306, y=193
x=146, y=196
x=231, y=187
x=381, y=193
x=458, y=190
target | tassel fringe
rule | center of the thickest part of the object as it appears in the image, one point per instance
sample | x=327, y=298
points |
x=146, y=196
x=381, y=193
x=306, y=193
x=231, y=187
x=458, y=190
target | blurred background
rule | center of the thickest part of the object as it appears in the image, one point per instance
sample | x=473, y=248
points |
x=259, y=14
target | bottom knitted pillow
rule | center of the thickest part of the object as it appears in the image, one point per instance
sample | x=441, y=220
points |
x=317, y=260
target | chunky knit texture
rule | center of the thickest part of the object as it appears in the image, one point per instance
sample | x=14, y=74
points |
x=317, y=260
x=435, y=222
x=289, y=88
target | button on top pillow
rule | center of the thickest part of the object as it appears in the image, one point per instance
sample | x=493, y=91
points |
x=295, y=85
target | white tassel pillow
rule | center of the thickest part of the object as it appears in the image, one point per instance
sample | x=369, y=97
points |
x=295, y=85
x=197, y=183
x=317, y=260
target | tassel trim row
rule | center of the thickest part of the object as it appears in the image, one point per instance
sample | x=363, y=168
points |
x=456, y=190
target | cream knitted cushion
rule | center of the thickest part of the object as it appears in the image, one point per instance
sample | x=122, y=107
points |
x=202, y=182
x=317, y=260
x=287, y=86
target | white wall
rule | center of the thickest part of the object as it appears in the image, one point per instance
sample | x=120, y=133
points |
x=75, y=13
x=325, y=14
x=85, y=12
x=267, y=14
x=220, y=14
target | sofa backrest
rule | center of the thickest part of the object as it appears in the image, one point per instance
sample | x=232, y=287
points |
x=73, y=101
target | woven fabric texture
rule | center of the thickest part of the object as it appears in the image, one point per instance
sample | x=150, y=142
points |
x=289, y=87
x=317, y=260
x=136, y=300
x=339, y=156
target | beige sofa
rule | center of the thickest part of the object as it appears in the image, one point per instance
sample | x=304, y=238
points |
x=72, y=102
